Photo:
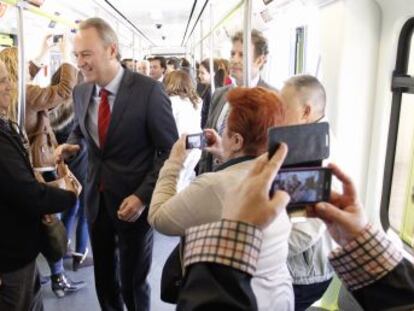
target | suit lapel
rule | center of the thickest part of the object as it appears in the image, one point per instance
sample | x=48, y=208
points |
x=86, y=100
x=220, y=105
x=121, y=101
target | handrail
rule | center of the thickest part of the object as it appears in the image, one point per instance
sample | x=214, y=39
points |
x=31, y=8
x=222, y=21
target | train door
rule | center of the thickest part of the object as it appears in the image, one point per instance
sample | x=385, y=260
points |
x=397, y=206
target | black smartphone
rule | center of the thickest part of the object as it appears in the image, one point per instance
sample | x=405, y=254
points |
x=308, y=144
x=57, y=38
x=195, y=141
x=306, y=186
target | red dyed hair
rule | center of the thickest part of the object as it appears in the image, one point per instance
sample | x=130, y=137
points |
x=252, y=112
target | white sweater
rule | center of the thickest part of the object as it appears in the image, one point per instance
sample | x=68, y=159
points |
x=188, y=121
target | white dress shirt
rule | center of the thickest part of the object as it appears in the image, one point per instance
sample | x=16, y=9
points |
x=92, y=117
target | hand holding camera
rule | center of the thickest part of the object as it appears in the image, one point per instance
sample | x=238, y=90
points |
x=179, y=151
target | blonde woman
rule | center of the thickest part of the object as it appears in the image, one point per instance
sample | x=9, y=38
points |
x=186, y=107
x=38, y=101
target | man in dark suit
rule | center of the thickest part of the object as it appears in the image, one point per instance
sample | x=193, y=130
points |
x=127, y=123
x=219, y=106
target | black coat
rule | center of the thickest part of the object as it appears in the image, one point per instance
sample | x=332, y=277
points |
x=23, y=201
x=209, y=286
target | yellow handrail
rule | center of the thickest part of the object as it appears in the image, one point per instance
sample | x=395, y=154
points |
x=35, y=10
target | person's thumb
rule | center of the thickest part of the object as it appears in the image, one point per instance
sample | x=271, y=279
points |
x=329, y=213
x=73, y=148
x=279, y=201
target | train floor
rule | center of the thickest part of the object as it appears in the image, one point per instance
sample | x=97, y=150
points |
x=85, y=299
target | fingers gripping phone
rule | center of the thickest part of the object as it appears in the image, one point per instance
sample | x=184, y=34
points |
x=305, y=186
x=197, y=141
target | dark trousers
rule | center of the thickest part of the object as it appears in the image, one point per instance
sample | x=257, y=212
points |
x=20, y=290
x=123, y=255
x=306, y=295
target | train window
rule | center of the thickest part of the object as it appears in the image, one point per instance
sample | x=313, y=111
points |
x=299, y=50
x=397, y=206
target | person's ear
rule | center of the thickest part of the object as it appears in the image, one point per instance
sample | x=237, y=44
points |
x=260, y=61
x=237, y=142
x=113, y=50
x=307, y=111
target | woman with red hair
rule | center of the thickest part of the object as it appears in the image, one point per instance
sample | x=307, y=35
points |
x=251, y=113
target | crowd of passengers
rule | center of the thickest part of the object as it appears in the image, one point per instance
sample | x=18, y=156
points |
x=121, y=128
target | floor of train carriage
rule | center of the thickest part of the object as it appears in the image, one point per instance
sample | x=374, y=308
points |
x=86, y=298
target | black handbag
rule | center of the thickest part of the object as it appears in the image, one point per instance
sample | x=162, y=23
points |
x=54, y=239
x=172, y=275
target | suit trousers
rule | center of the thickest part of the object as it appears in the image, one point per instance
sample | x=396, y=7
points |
x=20, y=290
x=122, y=259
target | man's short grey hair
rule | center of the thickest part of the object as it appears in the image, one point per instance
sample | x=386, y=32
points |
x=310, y=89
x=104, y=30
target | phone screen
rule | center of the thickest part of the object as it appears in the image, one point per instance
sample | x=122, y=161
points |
x=195, y=141
x=305, y=186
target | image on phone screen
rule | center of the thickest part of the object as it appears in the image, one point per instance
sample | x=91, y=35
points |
x=195, y=141
x=305, y=186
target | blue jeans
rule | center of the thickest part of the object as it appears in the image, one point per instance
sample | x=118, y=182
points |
x=69, y=219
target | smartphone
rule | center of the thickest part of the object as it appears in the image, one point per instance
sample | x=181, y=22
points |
x=57, y=38
x=308, y=144
x=195, y=141
x=306, y=186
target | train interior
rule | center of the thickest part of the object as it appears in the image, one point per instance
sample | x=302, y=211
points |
x=359, y=49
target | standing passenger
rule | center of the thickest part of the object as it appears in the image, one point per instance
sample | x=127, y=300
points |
x=158, y=66
x=186, y=109
x=128, y=126
x=143, y=67
x=309, y=242
x=204, y=74
x=23, y=202
x=219, y=106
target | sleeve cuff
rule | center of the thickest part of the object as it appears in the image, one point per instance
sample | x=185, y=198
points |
x=231, y=243
x=366, y=259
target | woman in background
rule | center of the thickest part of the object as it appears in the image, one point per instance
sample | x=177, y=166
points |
x=204, y=75
x=186, y=106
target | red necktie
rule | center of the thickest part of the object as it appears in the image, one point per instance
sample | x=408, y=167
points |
x=104, y=116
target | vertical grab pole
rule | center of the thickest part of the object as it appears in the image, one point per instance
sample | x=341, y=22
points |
x=213, y=87
x=133, y=52
x=247, y=27
x=201, y=38
x=21, y=108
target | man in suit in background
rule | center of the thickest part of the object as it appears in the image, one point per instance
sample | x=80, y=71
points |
x=127, y=123
x=219, y=105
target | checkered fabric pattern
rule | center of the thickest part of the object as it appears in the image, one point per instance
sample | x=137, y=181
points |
x=366, y=259
x=231, y=243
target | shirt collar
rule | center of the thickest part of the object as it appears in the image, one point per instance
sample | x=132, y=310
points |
x=115, y=83
x=253, y=82
x=233, y=162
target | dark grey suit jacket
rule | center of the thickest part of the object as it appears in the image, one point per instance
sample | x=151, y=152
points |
x=141, y=133
x=218, y=101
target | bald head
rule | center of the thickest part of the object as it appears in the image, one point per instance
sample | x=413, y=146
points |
x=305, y=99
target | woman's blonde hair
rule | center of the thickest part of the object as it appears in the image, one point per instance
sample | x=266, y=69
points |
x=179, y=83
x=9, y=58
